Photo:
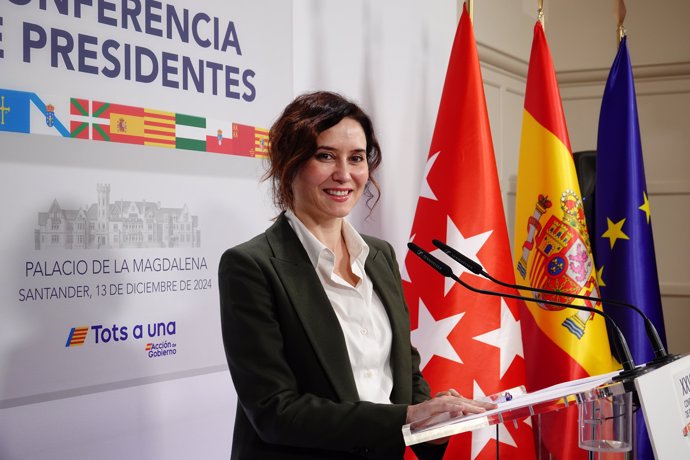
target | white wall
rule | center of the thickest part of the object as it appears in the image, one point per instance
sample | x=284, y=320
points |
x=391, y=57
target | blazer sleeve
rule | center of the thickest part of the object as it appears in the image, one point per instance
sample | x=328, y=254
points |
x=255, y=315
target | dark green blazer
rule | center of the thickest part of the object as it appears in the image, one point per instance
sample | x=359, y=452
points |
x=297, y=397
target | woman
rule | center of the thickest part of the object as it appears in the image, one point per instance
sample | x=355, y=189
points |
x=315, y=326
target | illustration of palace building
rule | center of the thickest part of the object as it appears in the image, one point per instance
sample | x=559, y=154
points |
x=121, y=224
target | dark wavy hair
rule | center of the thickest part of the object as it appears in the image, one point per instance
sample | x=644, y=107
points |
x=293, y=141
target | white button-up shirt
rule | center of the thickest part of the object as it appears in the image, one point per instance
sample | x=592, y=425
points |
x=361, y=313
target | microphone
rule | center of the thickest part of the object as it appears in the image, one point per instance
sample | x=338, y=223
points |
x=626, y=361
x=661, y=356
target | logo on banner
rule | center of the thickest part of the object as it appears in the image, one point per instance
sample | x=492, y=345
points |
x=107, y=223
x=683, y=393
x=161, y=349
x=77, y=336
x=50, y=115
x=102, y=335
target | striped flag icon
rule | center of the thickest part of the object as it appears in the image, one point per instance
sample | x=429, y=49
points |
x=77, y=336
x=159, y=128
x=190, y=132
x=109, y=122
x=260, y=142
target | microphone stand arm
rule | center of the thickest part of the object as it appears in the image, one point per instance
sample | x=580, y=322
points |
x=661, y=356
x=652, y=333
x=627, y=360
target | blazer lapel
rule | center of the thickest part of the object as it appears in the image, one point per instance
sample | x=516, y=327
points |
x=313, y=308
x=385, y=284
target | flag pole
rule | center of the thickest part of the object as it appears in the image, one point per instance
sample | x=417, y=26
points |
x=620, y=18
x=540, y=13
x=470, y=9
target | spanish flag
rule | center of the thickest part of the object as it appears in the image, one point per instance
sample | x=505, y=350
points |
x=552, y=251
x=132, y=125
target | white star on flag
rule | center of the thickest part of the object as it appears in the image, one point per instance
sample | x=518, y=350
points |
x=426, y=191
x=507, y=338
x=481, y=437
x=431, y=336
x=469, y=247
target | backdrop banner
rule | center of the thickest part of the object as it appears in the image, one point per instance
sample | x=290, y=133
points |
x=132, y=135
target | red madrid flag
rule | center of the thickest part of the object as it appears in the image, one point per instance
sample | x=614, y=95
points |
x=468, y=342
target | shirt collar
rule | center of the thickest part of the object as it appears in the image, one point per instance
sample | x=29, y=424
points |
x=356, y=246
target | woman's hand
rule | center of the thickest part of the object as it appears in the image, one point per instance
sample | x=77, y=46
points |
x=444, y=406
x=449, y=402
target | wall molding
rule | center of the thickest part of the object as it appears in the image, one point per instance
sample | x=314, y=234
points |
x=675, y=289
x=660, y=187
x=650, y=72
x=654, y=188
x=504, y=62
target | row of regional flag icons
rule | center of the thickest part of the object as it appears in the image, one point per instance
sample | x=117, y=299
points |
x=25, y=112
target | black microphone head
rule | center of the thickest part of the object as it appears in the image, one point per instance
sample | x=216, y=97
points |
x=436, y=264
x=462, y=259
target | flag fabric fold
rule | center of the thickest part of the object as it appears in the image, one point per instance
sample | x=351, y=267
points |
x=552, y=251
x=624, y=245
x=468, y=342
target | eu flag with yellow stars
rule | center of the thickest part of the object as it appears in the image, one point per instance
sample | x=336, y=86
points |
x=624, y=249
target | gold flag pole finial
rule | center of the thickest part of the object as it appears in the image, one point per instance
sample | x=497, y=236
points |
x=470, y=9
x=619, y=10
x=540, y=12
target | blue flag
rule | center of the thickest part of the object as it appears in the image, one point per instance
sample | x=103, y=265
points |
x=14, y=111
x=624, y=246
